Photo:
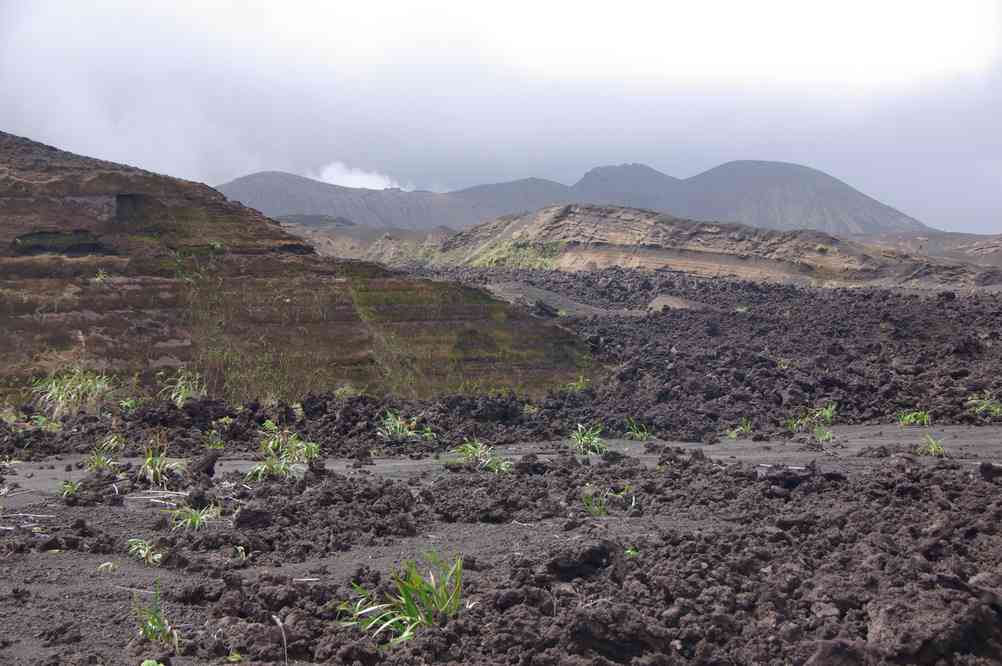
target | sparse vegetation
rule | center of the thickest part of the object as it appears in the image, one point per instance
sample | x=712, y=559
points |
x=213, y=440
x=181, y=386
x=347, y=391
x=99, y=460
x=637, y=431
x=156, y=468
x=823, y=435
x=144, y=552
x=518, y=254
x=43, y=422
x=111, y=444
x=631, y=552
x=823, y=416
x=578, y=385
x=931, y=446
x=284, y=452
x=588, y=440
x=914, y=417
x=475, y=452
x=153, y=624
x=72, y=391
x=985, y=404
x=190, y=518
x=69, y=488
x=742, y=429
x=394, y=428
x=594, y=502
x=417, y=601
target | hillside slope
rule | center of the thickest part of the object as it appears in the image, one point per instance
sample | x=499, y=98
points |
x=116, y=269
x=588, y=237
x=771, y=195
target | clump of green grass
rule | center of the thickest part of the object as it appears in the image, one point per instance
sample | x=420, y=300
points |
x=631, y=552
x=69, y=488
x=418, y=601
x=823, y=435
x=144, y=552
x=742, y=429
x=985, y=404
x=595, y=503
x=99, y=460
x=914, y=417
x=475, y=452
x=72, y=391
x=577, y=385
x=931, y=446
x=112, y=443
x=824, y=416
x=181, y=386
x=283, y=450
x=153, y=624
x=43, y=422
x=156, y=468
x=213, y=440
x=395, y=428
x=638, y=431
x=189, y=518
x=588, y=440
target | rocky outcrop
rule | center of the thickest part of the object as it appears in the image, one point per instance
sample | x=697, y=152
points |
x=55, y=201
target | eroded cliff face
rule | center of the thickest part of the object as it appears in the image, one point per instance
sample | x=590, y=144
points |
x=586, y=237
x=52, y=201
x=125, y=271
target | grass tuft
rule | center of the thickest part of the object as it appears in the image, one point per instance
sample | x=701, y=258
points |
x=189, y=518
x=588, y=440
x=156, y=469
x=986, y=405
x=475, y=452
x=418, y=601
x=69, y=488
x=914, y=417
x=144, y=552
x=72, y=391
x=742, y=429
x=395, y=428
x=153, y=624
x=181, y=386
x=638, y=431
x=285, y=453
x=931, y=446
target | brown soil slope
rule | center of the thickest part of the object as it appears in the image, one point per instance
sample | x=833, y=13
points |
x=129, y=272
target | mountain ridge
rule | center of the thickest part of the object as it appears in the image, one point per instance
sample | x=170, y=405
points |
x=766, y=194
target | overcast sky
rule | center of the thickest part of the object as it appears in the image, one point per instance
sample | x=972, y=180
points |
x=900, y=98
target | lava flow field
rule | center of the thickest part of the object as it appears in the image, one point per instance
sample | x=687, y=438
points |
x=756, y=475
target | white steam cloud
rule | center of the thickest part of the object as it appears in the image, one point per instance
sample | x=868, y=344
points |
x=339, y=173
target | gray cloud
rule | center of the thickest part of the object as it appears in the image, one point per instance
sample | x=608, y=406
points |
x=215, y=94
